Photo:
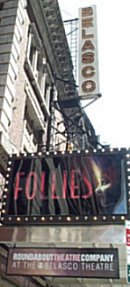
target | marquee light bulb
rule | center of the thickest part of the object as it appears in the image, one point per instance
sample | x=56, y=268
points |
x=51, y=218
x=95, y=217
x=18, y=219
x=104, y=218
x=25, y=154
x=42, y=218
x=85, y=217
x=77, y=217
x=68, y=218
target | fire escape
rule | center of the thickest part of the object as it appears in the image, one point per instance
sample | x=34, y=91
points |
x=71, y=28
x=78, y=128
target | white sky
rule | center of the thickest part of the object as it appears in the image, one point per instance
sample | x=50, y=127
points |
x=110, y=115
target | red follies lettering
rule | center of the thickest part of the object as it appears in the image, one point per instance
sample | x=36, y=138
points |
x=64, y=188
x=73, y=185
x=53, y=186
x=31, y=186
x=17, y=184
x=42, y=186
x=89, y=188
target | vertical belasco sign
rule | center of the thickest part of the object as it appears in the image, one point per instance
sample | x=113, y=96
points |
x=88, y=53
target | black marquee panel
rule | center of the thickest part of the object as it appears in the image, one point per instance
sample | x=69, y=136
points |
x=64, y=262
x=77, y=187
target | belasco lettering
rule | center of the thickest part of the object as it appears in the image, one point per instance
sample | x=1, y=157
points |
x=88, y=51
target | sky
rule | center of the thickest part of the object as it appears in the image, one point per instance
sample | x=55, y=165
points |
x=110, y=114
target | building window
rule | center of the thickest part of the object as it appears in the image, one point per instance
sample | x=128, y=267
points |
x=33, y=55
x=36, y=68
x=33, y=48
x=1, y=5
x=1, y=8
x=34, y=58
x=47, y=94
x=41, y=74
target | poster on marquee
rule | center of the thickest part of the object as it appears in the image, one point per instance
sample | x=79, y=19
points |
x=66, y=185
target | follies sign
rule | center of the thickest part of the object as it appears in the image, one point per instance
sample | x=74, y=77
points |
x=64, y=262
x=67, y=188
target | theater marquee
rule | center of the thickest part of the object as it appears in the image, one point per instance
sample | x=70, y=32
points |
x=71, y=188
x=88, y=53
x=64, y=262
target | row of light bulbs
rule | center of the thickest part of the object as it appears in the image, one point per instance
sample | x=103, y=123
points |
x=87, y=151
